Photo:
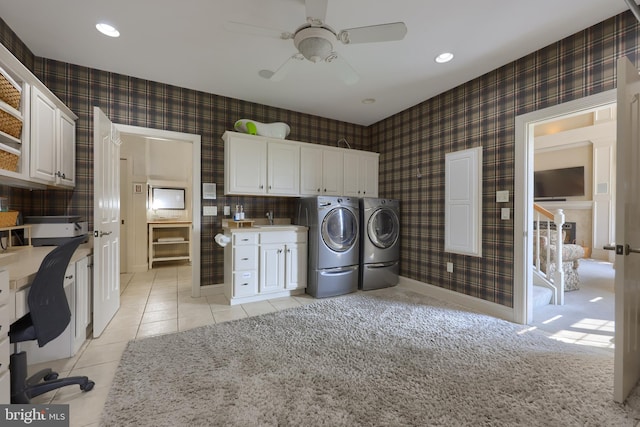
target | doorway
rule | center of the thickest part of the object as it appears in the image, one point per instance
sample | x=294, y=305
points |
x=523, y=215
x=136, y=188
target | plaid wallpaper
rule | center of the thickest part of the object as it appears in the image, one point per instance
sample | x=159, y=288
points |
x=412, y=145
x=482, y=113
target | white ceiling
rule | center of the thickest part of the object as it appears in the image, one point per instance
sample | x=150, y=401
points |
x=184, y=43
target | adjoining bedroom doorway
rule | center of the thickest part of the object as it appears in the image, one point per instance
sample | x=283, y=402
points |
x=523, y=198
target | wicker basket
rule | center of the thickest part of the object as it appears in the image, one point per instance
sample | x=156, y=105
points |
x=10, y=92
x=8, y=160
x=10, y=124
x=8, y=219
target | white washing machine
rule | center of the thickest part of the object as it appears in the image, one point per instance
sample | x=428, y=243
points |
x=333, y=244
x=380, y=243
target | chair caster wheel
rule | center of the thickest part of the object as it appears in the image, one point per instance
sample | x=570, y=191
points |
x=88, y=386
x=51, y=376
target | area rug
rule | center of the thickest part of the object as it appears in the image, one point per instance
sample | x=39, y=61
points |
x=379, y=358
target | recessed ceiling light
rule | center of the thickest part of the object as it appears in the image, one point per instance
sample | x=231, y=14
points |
x=368, y=101
x=107, y=30
x=444, y=57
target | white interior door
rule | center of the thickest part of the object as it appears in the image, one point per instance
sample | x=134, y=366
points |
x=627, y=262
x=106, y=221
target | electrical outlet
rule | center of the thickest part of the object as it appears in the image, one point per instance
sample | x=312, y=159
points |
x=227, y=210
x=505, y=213
x=449, y=267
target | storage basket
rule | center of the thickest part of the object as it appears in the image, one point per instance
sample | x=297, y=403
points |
x=10, y=92
x=10, y=124
x=8, y=159
x=8, y=219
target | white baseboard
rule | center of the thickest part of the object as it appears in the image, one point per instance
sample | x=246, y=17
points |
x=468, y=302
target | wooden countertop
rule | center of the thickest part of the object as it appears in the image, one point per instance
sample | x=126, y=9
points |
x=27, y=260
x=169, y=221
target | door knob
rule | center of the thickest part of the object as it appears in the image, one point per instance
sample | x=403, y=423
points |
x=622, y=250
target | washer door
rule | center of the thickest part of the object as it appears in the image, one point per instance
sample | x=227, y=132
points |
x=340, y=229
x=383, y=228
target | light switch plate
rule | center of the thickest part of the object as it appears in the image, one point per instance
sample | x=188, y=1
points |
x=505, y=213
x=227, y=210
x=210, y=210
x=502, y=196
x=449, y=267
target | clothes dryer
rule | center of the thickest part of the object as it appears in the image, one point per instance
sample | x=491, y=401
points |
x=333, y=250
x=380, y=243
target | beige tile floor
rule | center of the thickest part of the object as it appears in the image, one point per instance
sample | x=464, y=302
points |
x=154, y=302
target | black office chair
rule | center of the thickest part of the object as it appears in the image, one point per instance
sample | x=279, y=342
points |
x=48, y=317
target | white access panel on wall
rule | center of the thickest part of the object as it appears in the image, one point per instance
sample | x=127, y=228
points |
x=463, y=202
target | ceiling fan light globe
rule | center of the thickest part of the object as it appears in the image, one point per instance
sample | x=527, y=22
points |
x=315, y=48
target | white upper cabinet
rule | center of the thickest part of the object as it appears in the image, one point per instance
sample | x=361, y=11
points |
x=43, y=137
x=257, y=165
x=46, y=146
x=311, y=170
x=320, y=170
x=53, y=142
x=283, y=168
x=360, y=174
x=245, y=165
x=332, y=172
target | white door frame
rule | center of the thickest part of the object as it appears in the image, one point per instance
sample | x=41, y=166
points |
x=523, y=198
x=195, y=140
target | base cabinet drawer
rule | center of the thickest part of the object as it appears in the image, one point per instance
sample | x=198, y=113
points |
x=245, y=283
x=245, y=257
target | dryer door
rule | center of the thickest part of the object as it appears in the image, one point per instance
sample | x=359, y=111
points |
x=340, y=229
x=383, y=228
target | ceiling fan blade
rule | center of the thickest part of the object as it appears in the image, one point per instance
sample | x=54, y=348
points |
x=284, y=68
x=255, y=30
x=374, y=33
x=316, y=12
x=343, y=69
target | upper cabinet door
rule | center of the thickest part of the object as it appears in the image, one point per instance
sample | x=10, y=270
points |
x=332, y=172
x=43, y=137
x=283, y=168
x=66, y=151
x=368, y=174
x=245, y=165
x=310, y=170
x=53, y=142
x=351, y=177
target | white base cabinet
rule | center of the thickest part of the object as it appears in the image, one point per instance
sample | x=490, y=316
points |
x=77, y=284
x=261, y=265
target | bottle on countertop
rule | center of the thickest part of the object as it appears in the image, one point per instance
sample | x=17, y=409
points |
x=241, y=212
x=236, y=214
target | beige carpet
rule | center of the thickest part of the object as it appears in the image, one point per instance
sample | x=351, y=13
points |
x=388, y=357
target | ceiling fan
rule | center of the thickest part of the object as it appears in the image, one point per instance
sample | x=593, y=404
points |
x=314, y=41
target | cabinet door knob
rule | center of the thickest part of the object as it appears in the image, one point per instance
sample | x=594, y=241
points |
x=279, y=251
x=245, y=259
x=325, y=190
x=69, y=277
x=261, y=187
x=244, y=284
x=318, y=190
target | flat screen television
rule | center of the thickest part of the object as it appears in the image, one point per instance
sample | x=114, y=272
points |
x=167, y=198
x=558, y=183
